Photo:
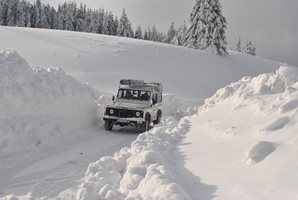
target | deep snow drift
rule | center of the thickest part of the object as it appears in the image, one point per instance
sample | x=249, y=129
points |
x=244, y=139
x=40, y=106
x=103, y=60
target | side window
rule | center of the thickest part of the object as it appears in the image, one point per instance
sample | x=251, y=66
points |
x=159, y=98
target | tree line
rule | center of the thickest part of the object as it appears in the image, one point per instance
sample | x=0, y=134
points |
x=73, y=17
x=205, y=28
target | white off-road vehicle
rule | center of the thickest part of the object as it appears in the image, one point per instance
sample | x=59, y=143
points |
x=136, y=104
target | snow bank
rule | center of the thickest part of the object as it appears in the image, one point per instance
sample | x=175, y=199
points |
x=246, y=137
x=284, y=80
x=40, y=106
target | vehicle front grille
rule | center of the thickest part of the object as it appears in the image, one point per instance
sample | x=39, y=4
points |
x=123, y=113
x=126, y=113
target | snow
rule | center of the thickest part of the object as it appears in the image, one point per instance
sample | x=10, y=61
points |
x=241, y=143
x=38, y=106
x=243, y=140
x=103, y=60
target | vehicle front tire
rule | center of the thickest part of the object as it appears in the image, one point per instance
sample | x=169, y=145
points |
x=145, y=126
x=108, y=125
x=158, y=120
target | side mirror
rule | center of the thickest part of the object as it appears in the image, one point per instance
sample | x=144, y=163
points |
x=113, y=98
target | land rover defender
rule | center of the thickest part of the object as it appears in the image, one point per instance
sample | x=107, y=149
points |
x=136, y=104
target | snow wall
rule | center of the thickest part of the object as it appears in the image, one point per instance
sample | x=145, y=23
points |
x=39, y=106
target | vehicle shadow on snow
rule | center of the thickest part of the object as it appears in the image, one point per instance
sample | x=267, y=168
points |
x=124, y=130
x=192, y=183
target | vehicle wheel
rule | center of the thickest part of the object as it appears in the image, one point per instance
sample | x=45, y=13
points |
x=158, y=120
x=108, y=125
x=145, y=126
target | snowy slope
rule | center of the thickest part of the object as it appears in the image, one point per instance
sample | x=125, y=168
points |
x=102, y=60
x=243, y=142
x=48, y=105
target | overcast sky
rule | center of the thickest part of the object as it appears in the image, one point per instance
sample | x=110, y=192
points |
x=272, y=25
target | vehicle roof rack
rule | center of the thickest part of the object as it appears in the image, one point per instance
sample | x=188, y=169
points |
x=132, y=82
x=140, y=84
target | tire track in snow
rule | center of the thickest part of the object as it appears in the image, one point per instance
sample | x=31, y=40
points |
x=51, y=181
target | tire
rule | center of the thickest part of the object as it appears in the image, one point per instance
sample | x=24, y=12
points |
x=158, y=120
x=145, y=126
x=108, y=125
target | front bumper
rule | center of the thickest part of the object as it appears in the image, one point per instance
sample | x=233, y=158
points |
x=124, y=121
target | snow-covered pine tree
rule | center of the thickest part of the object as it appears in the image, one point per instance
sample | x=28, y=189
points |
x=108, y=24
x=53, y=19
x=45, y=16
x=171, y=33
x=92, y=21
x=61, y=16
x=80, y=18
x=38, y=10
x=4, y=12
x=180, y=35
x=138, y=33
x=249, y=48
x=22, y=14
x=124, y=27
x=238, y=45
x=12, y=14
x=115, y=26
x=146, y=37
x=70, y=16
x=206, y=27
x=154, y=34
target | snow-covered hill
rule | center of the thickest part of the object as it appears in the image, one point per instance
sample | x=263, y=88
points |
x=103, y=60
x=234, y=146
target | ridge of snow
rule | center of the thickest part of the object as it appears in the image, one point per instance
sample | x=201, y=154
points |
x=40, y=105
x=140, y=172
x=243, y=139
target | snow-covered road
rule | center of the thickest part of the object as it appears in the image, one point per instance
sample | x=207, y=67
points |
x=48, y=170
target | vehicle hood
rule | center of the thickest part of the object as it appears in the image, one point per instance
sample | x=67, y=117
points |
x=131, y=105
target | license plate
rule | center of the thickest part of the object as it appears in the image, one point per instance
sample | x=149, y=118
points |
x=122, y=120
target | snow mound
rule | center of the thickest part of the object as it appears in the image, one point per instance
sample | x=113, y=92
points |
x=40, y=106
x=283, y=80
x=224, y=133
x=259, y=152
x=142, y=171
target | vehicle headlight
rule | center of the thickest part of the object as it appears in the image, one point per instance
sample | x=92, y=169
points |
x=111, y=111
x=138, y=114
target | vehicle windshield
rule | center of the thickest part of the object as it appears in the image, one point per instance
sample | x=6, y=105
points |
x=133, y=94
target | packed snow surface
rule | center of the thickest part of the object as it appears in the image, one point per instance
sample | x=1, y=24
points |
x=244, y=140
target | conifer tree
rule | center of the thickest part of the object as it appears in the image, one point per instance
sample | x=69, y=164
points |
x=12, y=13
x=206, y=27
x=238, y=45
x=171, y=34
x=138, y=33
x=249, y=48
x=124, y=27
x=37, y=12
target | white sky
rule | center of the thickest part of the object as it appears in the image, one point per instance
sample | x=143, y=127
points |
x=272, y=25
